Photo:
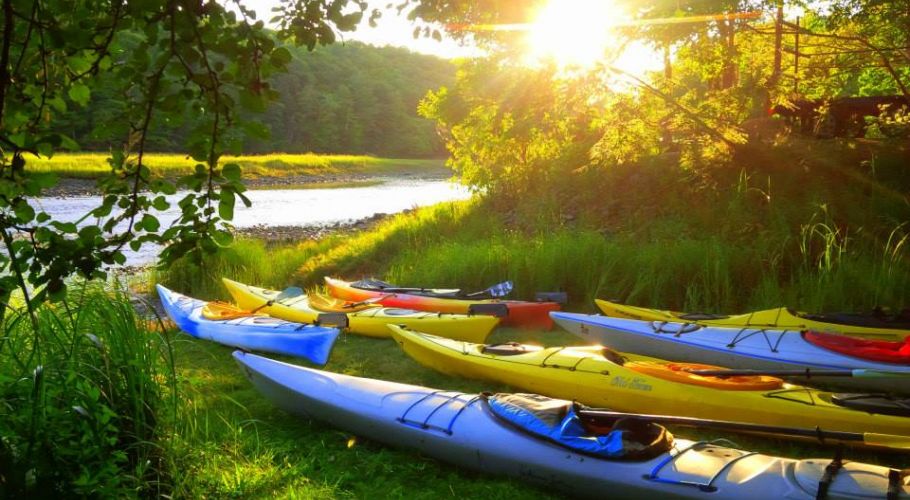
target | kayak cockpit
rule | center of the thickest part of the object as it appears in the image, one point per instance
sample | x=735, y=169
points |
x=558, y=422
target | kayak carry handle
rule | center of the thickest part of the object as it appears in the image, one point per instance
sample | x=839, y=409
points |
x=498, y=310
x=558, y=297
x=338, y=320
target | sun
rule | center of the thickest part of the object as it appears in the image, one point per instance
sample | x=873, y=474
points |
x=574, y=32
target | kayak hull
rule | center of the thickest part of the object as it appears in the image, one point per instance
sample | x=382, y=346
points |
x=256, y=333
x=532, y=315
x=780, y=318
x=371, y=322
x=585, y=375
x=733, y=348
x=460, y=429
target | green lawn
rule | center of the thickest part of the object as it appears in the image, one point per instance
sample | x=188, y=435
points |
x=92, y=165
x=239, y=445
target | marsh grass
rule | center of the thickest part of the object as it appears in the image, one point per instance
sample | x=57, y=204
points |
x=84, y=400
x=93, y=165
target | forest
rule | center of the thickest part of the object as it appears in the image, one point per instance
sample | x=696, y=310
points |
x=343, y=98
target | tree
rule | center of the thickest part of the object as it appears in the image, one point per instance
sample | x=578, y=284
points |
x=163, y=61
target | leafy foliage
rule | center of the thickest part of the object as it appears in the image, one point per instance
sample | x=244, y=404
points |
x=161, y=63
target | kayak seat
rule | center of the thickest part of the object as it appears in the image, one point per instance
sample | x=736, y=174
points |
x=884, y=351
x=509, y=349
x=557, y=421
x=325, y=304
x=681, y=373
x=874, y=403
x=220, y=311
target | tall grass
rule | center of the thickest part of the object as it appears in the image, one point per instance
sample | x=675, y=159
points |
x=92, y=165
x=84, y=400
x=465, y=244
x=247, y=261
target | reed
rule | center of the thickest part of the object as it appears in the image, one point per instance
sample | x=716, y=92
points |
x=85, y=400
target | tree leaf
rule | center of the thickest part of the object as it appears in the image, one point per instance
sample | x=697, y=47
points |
x=226, y=205
x=232, y=172
x=79, y=93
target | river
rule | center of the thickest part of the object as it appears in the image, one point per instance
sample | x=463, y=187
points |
x=289, y=207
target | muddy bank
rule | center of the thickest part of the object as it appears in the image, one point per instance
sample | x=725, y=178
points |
x=281, y=234
x=285, y=234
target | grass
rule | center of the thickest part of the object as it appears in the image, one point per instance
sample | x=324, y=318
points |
x=86, y=396
x=810, y=237
x=94, y=165
x=239, y=445
x=250, y=449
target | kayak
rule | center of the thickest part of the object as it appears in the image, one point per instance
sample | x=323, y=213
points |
x=471, y=431
x=253, y=332
x=519, y=313
x=746, y=348
x=872, y=326
x=600, y=377
x=366, y=319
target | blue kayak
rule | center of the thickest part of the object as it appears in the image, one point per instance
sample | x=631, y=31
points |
x=255, y=333
x=540, y=440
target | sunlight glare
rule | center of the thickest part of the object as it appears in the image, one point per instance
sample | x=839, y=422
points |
x=574, y=32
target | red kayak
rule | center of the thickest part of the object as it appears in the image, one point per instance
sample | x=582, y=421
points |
x=517, y=313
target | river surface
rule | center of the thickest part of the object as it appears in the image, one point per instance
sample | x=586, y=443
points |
x=288, y=207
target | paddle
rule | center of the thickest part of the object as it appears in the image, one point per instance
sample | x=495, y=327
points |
x=807, y=373
x=288, y=293
x=497, y=290
x=867, y=438
x=367, y=301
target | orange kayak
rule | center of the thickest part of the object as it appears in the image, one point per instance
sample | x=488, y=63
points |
x=515, y=313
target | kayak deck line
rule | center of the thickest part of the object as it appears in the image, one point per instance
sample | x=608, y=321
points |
x=425, y=424
x=680, y=339
x=741, y=336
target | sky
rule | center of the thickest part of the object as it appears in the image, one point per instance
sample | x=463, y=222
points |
x=396, y=30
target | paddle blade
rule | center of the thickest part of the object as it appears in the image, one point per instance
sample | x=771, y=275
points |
x=500, y=290
x=887, y=441
x=289, y=293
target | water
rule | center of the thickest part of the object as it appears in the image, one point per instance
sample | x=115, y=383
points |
x=288, y=207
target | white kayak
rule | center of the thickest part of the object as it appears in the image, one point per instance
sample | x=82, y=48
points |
x=463, y=429
x=747, y=348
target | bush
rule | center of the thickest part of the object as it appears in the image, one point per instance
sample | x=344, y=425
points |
x=83, y=390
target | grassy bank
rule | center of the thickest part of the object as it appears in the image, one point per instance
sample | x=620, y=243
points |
x=829, y=235
x=92, y=165
x=236, y=444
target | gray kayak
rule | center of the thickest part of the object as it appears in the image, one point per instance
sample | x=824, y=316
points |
x=461, y=429
x=741, y=348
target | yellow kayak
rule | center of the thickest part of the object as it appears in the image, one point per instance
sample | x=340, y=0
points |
x=780, y=318
x=599, y=377
x=365, y=319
